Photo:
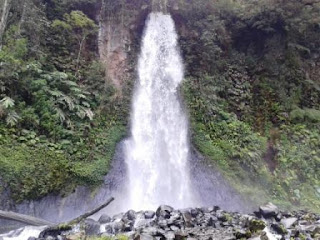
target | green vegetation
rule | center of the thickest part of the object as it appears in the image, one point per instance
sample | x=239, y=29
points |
x=119, y=237
x=59, y=121
x=252, y=90
x=253, y=94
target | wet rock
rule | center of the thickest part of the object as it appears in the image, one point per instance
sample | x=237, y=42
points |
x=150, y=231
x=91, y=227
x=163, y=224
x=149, y=214
x=143, y=237
x=194, y=212
x=208, y=223
x=187, y=217
x=269, y=210
x=104, y=218
x=108, y=229
x=288, y=222
x=170, y=235
x=242, y=234
x=118, y=217
x=118, y=226
x=174, y=228
x=279, y=228
x=256, y=225
x=164, y=211
x=140, y=223
x=130, y=215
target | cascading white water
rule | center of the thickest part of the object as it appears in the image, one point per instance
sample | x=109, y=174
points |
x=157, y=152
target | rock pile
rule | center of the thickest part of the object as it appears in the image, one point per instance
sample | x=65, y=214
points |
x=199, y=223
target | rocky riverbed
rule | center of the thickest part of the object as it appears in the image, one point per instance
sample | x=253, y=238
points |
x=194, y=223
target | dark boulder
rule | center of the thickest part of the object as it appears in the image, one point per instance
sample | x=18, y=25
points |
x=269, y=210
x=91, y=227
x=164, y=211
x=104, y=218
x=149, y=214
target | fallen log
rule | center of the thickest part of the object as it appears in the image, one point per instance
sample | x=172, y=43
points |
x=29, y=220
x=55, y=230
x=33, y=221
x=88, y=214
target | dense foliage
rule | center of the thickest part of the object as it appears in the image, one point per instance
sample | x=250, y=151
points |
x=253, y=93
x=252, y=90
x=59, y=124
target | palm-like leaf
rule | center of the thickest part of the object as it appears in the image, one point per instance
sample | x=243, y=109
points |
x=60, y=114
x=55, y=93
x=85, y=112
x=68, y=101
x=12, y=118
x=7, y=102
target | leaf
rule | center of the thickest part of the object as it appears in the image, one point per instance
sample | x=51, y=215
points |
x=7, y=102
x=85, y=112
x=12, y=118
x=55, y=93
x=68, y=101
x=60, y=114
x=70, y=83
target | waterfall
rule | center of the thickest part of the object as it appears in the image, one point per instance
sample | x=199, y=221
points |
x=157, y=152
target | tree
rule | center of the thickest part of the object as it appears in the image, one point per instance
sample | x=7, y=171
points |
x=4, y=17
x=78, y=25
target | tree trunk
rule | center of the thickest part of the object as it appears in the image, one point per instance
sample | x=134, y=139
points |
x=23, y=15
x=24, y=219
x=33, y=221
x=4, y=18
x=81, y=43
x=57, y=229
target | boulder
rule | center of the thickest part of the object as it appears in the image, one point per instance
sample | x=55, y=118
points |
x=170, y=235
x=104, y=218
x=149, y=214
x=91, y=227
x=118, y=226
x=164, y=211
x=108, y=228
x=130, y=215
x=256, y=225
x=141, y=223
x=269, y=210
x=279, y=228
x=288, y=222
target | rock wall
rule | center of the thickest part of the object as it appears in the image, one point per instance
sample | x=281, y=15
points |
x=120, y=29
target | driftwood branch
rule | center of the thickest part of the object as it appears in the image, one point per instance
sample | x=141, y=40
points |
x=54, y=230
x=33, y=221
x=88, y=214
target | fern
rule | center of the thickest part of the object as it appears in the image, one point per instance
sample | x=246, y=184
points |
x=12, y=118
x=60, y=114
x=55, y=93
x=7, y=102
x=68, y=101
x=85, y=112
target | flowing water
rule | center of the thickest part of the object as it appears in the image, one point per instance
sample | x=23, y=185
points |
x=157, y=154
x=156, y=164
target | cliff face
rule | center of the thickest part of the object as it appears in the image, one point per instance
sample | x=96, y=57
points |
x=120, y=29
x=252, y=83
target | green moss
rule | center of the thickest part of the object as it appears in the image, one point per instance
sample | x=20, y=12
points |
x=118, y=237
x=256, y=225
